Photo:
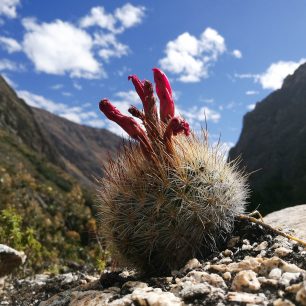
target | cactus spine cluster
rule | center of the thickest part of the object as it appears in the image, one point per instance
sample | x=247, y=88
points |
x=169, y=198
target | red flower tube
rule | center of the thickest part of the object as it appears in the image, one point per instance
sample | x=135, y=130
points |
x=164, y=93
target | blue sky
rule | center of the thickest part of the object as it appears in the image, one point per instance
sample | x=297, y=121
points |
x=220, y=56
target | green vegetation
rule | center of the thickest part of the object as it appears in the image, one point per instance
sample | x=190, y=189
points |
x=43, y=211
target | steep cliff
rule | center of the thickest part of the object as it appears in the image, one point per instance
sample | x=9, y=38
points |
x=273, y=143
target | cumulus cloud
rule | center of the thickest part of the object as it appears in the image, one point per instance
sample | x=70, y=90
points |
x=111, y=47
x=130, y=15
x=124, y=17
x=8, y=8
x=6, y=64
x=275, y=74
x=190, y=57
x=99, y=17
x=77, y=114
x=59, y=48
x=197, y=114
x=10, y=44
x=237, y=53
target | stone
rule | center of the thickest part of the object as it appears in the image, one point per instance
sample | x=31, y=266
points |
x=296, y=221
x=275, y=273
x=212, y=278
x=244, y=297
x=288, y=277
x=301, y=295
x=10, y=259
x=281, y=302
x=227, y=275
x=282, y=252
x=191, y=265
x=262, y=246
x=246, y=281
x=155, y=297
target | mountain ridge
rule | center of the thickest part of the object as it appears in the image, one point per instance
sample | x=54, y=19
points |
x=273, y=139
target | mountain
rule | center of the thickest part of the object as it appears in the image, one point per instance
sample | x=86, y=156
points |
x=80, y=150
x=48, y=167
x=273, y=144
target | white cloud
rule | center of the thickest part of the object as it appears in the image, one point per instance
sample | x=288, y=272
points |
x=77, y=86
x=251, y=107
x=237, y=53
x=76, y=114
x=98, y=17
x=57, y=86
x=10, y=44
x=6, y=64
x=199, y=114
x=190, y=57
x=274, y=76
x=124, y=17
x=59, y=48
x=67, y=94
x=130, y=15
x=111, y=47
x=8, y=8
x=251, y=92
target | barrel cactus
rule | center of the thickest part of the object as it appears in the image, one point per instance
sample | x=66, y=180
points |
x=169, y=196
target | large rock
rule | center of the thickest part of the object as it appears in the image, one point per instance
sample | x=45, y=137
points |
x=291, y=217
x=273, y=144
x=10, y=259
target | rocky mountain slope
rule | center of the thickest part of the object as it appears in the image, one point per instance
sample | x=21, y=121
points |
x=273, y=143
x=46, y=166
x=78, y=149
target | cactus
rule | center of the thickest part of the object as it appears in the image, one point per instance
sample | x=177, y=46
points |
x=171, y=197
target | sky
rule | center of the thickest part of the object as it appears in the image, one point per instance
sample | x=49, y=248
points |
x=221, y=57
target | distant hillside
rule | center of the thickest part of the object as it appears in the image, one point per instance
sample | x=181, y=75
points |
x=47, y=164
x=82, y=149
x=273, y=141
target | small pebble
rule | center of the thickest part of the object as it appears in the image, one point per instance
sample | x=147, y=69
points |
x=275, y=273
x=246, y=280
x=227, y=275
x=282, y=252
x=281, y=302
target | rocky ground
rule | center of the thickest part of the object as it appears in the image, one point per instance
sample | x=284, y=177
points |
x=255, y=268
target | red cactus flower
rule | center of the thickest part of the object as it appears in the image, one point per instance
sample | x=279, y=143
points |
x=128, y=124
x=176, y=126
x=139, y=87
x=164, y=93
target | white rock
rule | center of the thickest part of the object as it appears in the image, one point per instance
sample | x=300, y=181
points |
x=287, y=277
x=155, y=297
x=211, y=278
x=227, y=275
x=246, y=280
x=244, y=297
x=191, y=265
x=261, y=246
x=275, y=273
x=282, y=252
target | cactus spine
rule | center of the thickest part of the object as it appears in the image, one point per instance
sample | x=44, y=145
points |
x=168, y=200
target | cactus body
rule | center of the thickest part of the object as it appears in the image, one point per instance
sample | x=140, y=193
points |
x=156, y=214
